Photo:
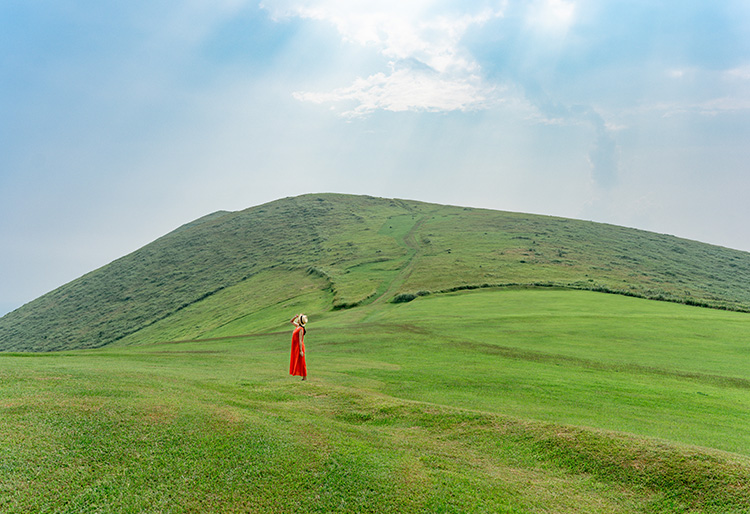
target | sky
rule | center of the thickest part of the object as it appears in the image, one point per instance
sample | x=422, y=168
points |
x=122, y=120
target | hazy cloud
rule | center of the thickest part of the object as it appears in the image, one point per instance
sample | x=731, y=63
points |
x=740, y=72
x=603, y=157
x=405, y=89
x=428, y=70
x=551, y=17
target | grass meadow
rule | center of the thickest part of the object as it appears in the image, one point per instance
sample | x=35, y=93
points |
x=492, y=400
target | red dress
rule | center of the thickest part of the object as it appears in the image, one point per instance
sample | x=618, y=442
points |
x=297, y=364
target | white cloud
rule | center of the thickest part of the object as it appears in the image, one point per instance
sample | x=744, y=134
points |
x=740, y=72
x=428, y=68
x=709, y=107
x=677, y=73
x=700, y=91
x=405, y=90
x=551, y=17
x=722, y=105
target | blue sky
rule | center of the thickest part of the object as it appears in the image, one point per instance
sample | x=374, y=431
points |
x=120, y=121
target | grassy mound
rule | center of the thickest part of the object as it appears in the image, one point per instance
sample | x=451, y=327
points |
x=358, y=250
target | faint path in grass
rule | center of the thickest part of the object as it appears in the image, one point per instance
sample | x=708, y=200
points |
x=537, y=356
x=409, y=241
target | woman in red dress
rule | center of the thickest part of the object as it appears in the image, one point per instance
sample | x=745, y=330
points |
x=297, y=364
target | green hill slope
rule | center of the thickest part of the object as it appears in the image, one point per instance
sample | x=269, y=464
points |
x=219, y=274
x=488, y=401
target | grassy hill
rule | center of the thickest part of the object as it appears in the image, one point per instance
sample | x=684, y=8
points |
x=461, y=360
x=351, y=250
x=492, y=400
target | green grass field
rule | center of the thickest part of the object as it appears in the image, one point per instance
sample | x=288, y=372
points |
x=509, y=400
x=461, y=360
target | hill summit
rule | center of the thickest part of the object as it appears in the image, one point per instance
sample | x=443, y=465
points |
x=348, y=251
